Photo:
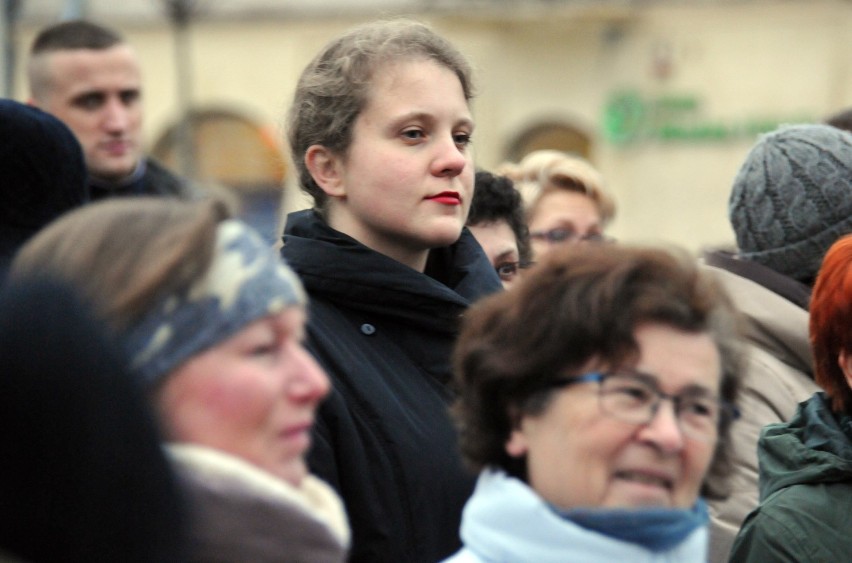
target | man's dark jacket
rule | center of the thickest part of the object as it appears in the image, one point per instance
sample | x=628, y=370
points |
x=153, y=179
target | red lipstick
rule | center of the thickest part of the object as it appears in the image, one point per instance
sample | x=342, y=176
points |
x=446, y=198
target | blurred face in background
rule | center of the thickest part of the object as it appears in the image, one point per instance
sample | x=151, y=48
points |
x=97, y=93
x=563, y=217
x=500, y=245
x=253, y=396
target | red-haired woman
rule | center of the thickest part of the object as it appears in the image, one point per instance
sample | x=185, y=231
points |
x=806, y=463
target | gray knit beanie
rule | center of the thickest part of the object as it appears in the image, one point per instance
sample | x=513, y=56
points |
x=792, y=198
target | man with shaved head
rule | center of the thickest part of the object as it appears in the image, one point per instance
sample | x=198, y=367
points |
x=89, y=77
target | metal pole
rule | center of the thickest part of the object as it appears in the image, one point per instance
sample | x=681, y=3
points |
x=74, y=9
x=8, y=18
x=180, y=12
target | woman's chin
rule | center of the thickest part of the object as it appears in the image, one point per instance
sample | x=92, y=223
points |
x=292, y=472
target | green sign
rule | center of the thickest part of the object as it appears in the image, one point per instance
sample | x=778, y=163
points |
x=630, y=118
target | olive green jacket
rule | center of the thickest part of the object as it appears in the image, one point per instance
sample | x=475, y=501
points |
x=805, y=490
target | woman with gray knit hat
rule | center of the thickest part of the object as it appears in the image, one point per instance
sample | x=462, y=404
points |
x=213, y=323
x=791, y=200
x=806, y=463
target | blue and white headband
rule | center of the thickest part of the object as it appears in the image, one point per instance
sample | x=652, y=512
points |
x=245, y=282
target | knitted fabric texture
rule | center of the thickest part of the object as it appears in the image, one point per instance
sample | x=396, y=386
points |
x=245, y=282
x=792, y=198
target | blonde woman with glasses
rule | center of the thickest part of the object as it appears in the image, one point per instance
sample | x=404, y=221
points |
x=565, y=198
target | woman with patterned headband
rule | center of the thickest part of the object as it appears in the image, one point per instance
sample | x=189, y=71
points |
x=213, y=323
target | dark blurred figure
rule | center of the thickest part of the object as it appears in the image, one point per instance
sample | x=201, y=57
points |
x=82, y=475
x=496, y=219
x=842, y=119
x=42, y=174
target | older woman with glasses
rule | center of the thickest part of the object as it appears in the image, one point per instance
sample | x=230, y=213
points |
x=595, y=400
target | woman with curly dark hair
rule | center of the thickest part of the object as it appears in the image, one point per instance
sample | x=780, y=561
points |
x=496, y=219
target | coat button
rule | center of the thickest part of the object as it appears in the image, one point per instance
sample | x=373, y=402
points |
x=368, y=329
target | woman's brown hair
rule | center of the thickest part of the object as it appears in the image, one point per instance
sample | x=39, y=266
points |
x=580, y=303
x=125, y=255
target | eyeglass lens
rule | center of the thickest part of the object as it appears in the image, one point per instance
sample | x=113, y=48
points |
x=559, y=235
x=632, y=399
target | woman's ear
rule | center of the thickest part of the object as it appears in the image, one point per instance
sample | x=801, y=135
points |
x=844, y=360
x=516, y=445
x=326, y=169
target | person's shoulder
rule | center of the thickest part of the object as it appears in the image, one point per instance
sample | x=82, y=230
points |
x=764, y=537
x=808, y=501
x=462, y=556
x=160, y=180
x=240, y=512
x=798, y=523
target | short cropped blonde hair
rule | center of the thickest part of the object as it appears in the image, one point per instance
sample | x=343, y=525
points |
x=544, y=171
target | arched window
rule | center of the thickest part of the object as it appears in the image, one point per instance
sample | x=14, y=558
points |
x=227, y=148
x=231, y=151
x=549, y=135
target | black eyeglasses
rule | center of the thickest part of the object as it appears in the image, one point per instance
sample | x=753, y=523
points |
x=632, y=396
x=561, y=234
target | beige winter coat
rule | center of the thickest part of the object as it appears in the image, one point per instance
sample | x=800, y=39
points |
x=776, y=379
